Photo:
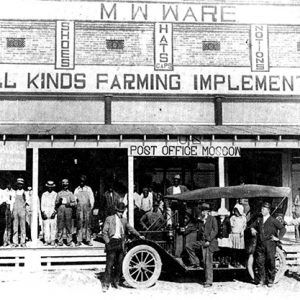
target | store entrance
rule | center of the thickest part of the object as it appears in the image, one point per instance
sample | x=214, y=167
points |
x=158, y=172
x=102, y=167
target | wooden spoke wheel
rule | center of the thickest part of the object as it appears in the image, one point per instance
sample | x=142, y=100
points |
x=142, y=266
x=280, y=264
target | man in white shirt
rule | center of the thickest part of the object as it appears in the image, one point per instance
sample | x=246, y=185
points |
x=114, y=232
x=49, y=214
x=146, y=201
x=176, y=188
x=8, y=196
x=85, y=202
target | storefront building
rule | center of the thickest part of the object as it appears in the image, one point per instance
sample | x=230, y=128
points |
x=139, y=91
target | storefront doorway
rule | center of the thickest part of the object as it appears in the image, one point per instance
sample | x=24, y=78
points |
x=102, y=167
x=158, y=172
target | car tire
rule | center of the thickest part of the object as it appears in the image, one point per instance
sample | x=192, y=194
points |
x=142, y=266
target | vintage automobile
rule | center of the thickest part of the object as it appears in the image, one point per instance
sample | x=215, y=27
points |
x=163, y=247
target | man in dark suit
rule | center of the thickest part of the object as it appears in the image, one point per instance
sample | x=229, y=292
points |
x=114, y=232
x=206, y=242
x=268, y=231
x=111, y=199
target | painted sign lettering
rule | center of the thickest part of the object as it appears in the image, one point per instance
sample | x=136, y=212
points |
x=122, y=11
x=259, y=48
x=138, y=79
x=65, y=45
x=163, y=48
x=185, y=150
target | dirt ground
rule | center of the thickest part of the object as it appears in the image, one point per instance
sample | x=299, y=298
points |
x=76, y=284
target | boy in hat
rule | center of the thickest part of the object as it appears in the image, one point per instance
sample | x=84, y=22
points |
x=268, y=231
x=85, y=202
x=48, y=213
x=114, y=232
x=19, y=214
x=206, y=242
x=65, y=200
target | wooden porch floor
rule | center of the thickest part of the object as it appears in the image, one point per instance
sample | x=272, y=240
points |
x=48, y=257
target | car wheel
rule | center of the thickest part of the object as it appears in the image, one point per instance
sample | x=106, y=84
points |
x=280, y=264
x=142, y=266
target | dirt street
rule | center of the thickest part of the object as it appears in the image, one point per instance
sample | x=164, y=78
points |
x=75, y=284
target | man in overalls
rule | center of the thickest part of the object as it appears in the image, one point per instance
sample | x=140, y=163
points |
x=85, y=202
x=19, y=214
x=65, y=200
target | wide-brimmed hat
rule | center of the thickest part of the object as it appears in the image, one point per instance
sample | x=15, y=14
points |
x=177, y=176
x=120, y=207
x=65, y=181
x=222, y=211
x=205, y=206
x=50, y=183
x=20, y=180
x=267, y=205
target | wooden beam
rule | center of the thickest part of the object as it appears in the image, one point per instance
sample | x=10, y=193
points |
x=107, y=109
x=130, y=190
x=35, y=204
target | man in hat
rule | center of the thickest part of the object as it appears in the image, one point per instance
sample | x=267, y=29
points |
x=268, y=231
x=296, y=214
x=114, y=232
x=48, y=213
x=64, y=203
x=176, y=188
x=111, y=198
x=206, y=242
x=19, y=214
x=152, y=219
x=85, y=202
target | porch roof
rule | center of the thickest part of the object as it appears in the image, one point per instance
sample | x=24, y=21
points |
x=147, y=129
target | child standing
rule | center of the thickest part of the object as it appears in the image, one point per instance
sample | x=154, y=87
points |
x=238, y=225
x=224, y=229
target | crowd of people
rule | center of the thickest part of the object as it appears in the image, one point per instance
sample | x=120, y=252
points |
x=220, y=236
x=67, y=217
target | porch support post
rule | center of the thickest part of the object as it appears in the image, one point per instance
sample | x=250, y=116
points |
x=130, y=190
x=35, y=202
x=287, y=178
x=221, y=165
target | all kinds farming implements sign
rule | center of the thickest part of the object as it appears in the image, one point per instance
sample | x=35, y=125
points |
x=141, y=79
x=187, y=150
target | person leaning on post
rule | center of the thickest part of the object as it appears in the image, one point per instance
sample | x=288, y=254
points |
x=114, y=233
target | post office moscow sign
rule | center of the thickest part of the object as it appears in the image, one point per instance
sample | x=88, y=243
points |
x=185, y=150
